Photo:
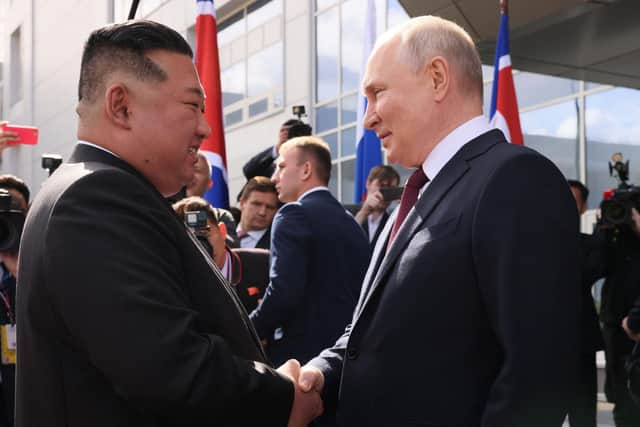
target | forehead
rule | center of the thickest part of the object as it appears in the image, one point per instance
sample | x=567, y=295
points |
x=180, y=70
x=383, y=59
x=261, y=195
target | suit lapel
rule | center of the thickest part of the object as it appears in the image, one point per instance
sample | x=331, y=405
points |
x=382, y=260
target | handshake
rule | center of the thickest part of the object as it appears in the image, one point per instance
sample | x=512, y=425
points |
x=308, y=382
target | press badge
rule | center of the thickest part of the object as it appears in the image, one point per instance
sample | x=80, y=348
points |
x=8, y=337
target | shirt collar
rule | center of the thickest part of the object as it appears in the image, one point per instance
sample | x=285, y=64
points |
x=312, y=190
x=90, y=144
x=452, y=143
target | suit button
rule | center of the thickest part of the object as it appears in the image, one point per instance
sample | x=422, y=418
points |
x=352, y=354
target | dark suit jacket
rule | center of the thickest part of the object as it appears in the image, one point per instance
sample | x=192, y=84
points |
x=124, y=320
x=318, y=258
x=469, y=319
x=265, y=240
x=365, y=227
x=260, y=165
x=592, y=268
x=250, y=275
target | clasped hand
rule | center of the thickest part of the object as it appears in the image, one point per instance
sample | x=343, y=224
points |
x=308, y=383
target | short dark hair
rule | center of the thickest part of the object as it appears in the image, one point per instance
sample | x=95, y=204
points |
x=292, y=122
x=383, y=173
x=315, y=148
x=8, y=181
x=123, y=47
x=258, y=183
x=194, y=203
x=584, y=191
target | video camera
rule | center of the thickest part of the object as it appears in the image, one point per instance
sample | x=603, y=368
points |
x=615, y=209
x=197, y=221
x=11, y=224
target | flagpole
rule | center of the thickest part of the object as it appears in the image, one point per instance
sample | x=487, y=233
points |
x=134, y=9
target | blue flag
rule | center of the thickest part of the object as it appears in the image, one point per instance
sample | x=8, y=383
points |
x=368, y=154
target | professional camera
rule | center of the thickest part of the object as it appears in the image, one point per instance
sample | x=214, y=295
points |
x=11, y=223
x=615, y=209
x=197, y=220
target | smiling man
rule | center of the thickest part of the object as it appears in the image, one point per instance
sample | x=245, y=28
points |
x=468, y=313
x=124, y=320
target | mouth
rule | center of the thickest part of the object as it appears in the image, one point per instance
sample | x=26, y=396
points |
x=193, y=152
x=383, y=135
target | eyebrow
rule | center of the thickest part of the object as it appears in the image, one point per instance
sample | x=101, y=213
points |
x=197, y=91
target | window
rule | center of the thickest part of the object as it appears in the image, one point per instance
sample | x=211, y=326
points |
x=611, y=127
x=339, y=29
x=252, y=61
x=15, y=73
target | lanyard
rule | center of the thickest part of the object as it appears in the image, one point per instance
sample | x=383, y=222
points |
x=7, y=303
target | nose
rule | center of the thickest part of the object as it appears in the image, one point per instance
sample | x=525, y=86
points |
x=371, y=118
x=203, y=130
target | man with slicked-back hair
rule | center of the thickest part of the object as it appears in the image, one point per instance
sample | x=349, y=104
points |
x=124, y=318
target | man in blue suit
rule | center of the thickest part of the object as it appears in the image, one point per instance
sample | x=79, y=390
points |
x=319, y=256
x=468, y=314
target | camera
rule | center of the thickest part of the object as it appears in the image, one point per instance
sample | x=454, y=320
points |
x=299, y=110
x=615, y=209
x=50, y=162
x=11, y=224
x=197, y=220
x=299, y=129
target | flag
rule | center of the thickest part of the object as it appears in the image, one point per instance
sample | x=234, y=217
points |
x=208, y=66
x=504, y=105
x=368, y=154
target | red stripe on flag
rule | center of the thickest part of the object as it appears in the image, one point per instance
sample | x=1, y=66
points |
x=507, y=104
x=208, y=65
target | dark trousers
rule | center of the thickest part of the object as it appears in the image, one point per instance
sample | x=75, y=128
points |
x=618, y=348
x=583, y=410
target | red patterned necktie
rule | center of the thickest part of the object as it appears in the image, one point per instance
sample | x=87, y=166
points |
x=409, y=197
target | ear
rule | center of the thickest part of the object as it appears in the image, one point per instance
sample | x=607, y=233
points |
x=439, y=76
x=222, y=227
x=306, y=170
x=116, y=102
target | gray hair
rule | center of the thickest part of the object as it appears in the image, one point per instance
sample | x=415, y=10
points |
x=424, y=37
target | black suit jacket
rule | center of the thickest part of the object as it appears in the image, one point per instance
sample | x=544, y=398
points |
x=260, y=165
x=318, y=258
x=250, y=271
x=123, y=319
x=469, y=319
x=376, y=235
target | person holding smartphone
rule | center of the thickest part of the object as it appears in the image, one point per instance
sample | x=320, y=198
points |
x=382, y=189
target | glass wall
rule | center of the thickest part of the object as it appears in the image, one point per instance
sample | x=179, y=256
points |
x=339, y=29
x=252, y=62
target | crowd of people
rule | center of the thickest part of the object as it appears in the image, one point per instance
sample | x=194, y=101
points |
x=139, y=303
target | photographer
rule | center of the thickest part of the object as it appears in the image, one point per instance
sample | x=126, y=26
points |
x=619, y=229
x=14, y=200
x=262, y=163
x=373, y=215
x=247, y=270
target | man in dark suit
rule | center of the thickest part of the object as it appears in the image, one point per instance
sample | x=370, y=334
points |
x=246, y=269
x=373, y=215
x=124, y=320
x=318, y=257
x=467, y=313
x=258, y=204
x=583, y=413
x=262, y=164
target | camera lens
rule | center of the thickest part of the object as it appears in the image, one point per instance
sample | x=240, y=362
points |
x=614, y=212
x=9, y=235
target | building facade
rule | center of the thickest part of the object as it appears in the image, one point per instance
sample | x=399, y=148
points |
x=275, y=54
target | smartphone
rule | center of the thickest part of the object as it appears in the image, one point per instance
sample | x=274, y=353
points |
x=27, y=134
x=390, y=194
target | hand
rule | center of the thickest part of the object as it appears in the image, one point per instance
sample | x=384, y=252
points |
x=311, y=378
x=373, y=202
x=306, y=405
x=10, y=260
x=6, y=136
x=630, y=333
x=635, y=221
